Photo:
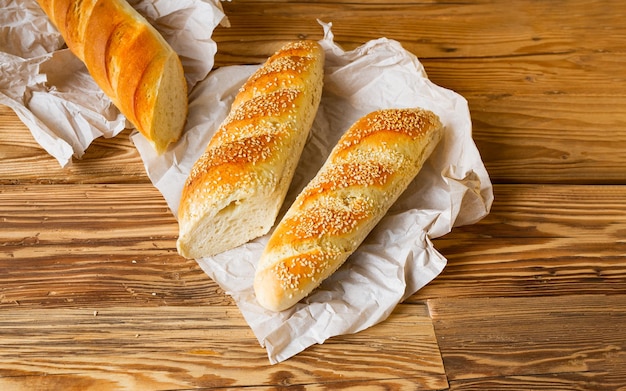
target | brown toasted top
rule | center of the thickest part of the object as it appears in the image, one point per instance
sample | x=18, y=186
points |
x=284, y=69
x=136, y=75
x=301, y=48
x=388, y=124
x=248, y=136
x=295, y=271
x=277, y=103
x=262, y=120
x=367, y=173
x=253, y=149
x=330, y=216
x=283, y=72
x=363, y=158
x=221, y=168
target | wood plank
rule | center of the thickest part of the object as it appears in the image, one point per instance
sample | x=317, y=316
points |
x=94, y=296
x=75, y=245
x=430, y=29
x=523, y=139
x=583, y=72
x=529, y=89
x=538, y=240
x=563, y=382
x=168, y=348
x=533, y=119
x=113, y=160
x=558, y=342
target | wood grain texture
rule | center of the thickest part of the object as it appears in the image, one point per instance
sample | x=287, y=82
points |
x=431, y=29
x=571, y=140
x=113, y=160
x=544, y=82
x=538, y=240
x=112, y=244
x=171, y=348
x=94, y=297
x=545, y=85
x=56, y=267
x=556, y=342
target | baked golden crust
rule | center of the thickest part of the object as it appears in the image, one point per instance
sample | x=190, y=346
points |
x=244, y=174
x=371, y=165
x=129, y=60
x=287, y=68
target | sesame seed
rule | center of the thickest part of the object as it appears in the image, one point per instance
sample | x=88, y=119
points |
x=410, y=122
x=330, y=216
x=278, y=72
x=273, y=104
x=292, y=273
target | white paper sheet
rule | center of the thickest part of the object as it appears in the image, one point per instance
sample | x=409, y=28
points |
x=52, y=92
x=398, y=258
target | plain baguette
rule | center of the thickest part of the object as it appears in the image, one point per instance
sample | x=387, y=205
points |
x=236, y=188
x=129, y=60
x=372, y=164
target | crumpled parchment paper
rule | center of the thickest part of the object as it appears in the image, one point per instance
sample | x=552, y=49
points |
x=397, y=258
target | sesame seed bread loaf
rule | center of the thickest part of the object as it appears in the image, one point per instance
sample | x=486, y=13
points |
x=129, y=60
x=236, y=188
x=372, y=164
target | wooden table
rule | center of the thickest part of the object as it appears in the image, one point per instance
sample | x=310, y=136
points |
x=94, y=296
